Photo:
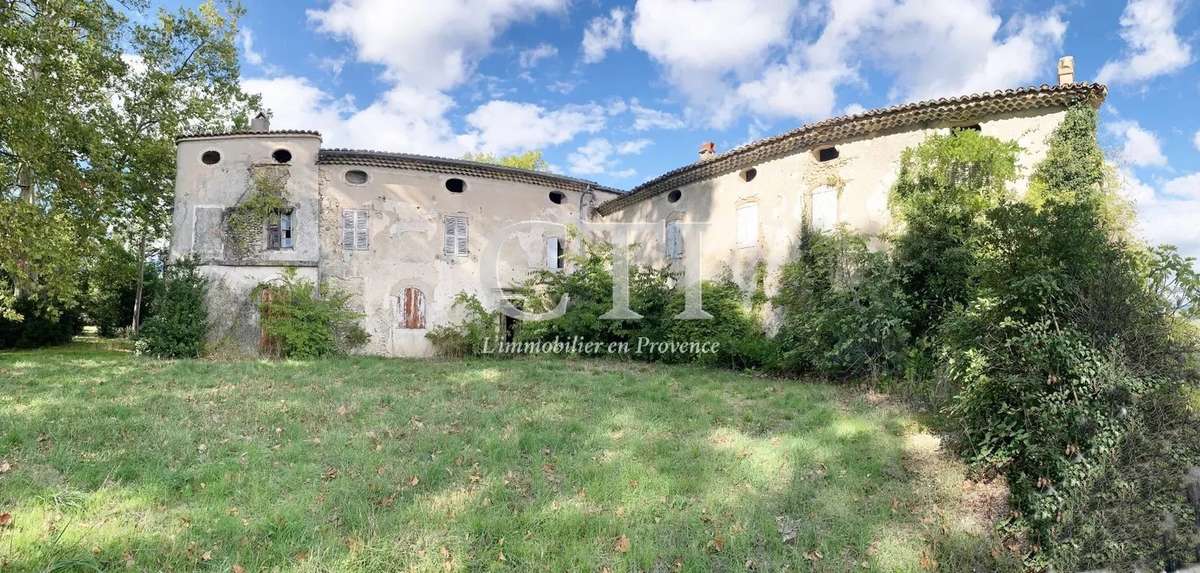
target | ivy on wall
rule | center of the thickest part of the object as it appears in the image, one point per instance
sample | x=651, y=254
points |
x=244, y=223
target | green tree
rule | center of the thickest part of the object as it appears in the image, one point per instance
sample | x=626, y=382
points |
x=93, y=102
x=945, y=189
x=181, y=76
x=531, y=160
x=59, y=61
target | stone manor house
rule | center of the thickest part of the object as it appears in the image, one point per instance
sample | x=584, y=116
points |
x=405, y=233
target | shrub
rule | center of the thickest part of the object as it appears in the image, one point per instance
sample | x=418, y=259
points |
x=1040, y=402
x=945, y=188
x=657, y=295
x=844, y=311
x=466, y=337
x=303, y=321
x=42, y=323
x=1137, y=515
x=1067, y=325
x=179, y=321
x=739, y=338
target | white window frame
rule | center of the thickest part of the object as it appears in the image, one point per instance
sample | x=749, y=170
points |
x=356, y=229
x=455, y=236
x=747, y=230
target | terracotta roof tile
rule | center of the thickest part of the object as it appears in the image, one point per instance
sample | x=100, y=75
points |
x=248, y=132
x=958, y=109
x=458, y=167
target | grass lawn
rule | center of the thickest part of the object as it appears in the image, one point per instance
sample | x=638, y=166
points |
x=368, y=464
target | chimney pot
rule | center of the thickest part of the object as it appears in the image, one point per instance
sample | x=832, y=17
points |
x=1066, y=70
x=260, y=122
x=708, y=150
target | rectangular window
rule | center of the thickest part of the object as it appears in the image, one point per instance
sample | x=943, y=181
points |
x=674, y=241
x=747, y=225
x=354, y=229
x=455, y=244
x=556, y=253
x=279, y=231
x=824, y=209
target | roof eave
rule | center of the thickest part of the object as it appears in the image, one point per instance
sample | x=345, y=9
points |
x=838, y=129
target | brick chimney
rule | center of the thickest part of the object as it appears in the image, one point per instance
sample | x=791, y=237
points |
x=708, y=150
x=1066, y=70
x=260, y=122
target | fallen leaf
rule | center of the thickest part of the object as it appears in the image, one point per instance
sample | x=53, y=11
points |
x=206, y=556
x=622, y=544
x=502, y=556
x=342, y=410
x=5, y=466
x=813, y=555
x=717, y=544
x=238, y=568
x=330, y=473
x=413, y=481
x=788, y=529
x=5, y=519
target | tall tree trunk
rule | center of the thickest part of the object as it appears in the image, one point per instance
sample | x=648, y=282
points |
x=137, y=299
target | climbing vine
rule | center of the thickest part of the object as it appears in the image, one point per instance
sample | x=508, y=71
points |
x=244, y=223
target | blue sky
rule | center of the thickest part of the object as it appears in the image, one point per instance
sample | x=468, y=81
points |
x=619, y=92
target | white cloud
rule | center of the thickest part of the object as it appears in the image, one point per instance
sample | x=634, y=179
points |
x=530, y=58
x=414, y=121
x=1133, y=188
x=596, y=158
x=940, y=48
x=296, y=103
x=1139, y=147
x=505, y=127
x=1196, y=140
x=247, y=38
x=742, y=56
x=853, y=109
x=1185, y=187
x=401, y=120
x=633, y=146
x=434, y=45
x=331, y=65
x=603, y=35
x=1153, y=47
x=645, y=118
x=1169, y=216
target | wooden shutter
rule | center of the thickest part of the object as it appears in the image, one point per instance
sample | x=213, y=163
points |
x=348, y=229
x=674, y=241
x=412, y=309
x=360, y=229
x=449, y=243
x=273, y=239
x=461, y=235
x=552, y=253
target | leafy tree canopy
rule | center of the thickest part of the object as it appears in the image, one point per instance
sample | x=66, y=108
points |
x=531, y=160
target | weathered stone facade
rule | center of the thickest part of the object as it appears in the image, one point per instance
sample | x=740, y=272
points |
x=381, y=225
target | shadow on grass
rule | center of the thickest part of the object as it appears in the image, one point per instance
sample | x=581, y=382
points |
x=373, y=464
